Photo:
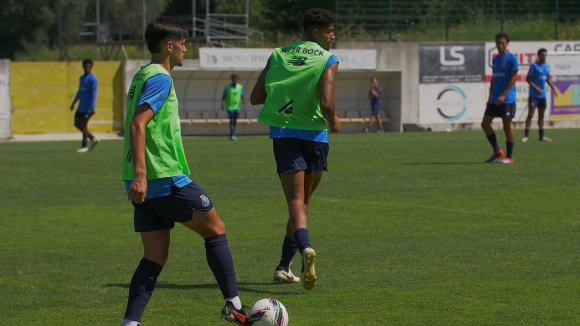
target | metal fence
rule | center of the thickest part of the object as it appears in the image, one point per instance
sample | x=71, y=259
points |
x=456, y=20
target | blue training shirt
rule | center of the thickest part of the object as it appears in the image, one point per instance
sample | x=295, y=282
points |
x=502, y=73
x=539, y=74
x=320, y=136
x=155, y=92
x=87, y=93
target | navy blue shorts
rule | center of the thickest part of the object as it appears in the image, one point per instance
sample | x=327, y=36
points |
x=375, y=111
x=80, y=115
x=233, y=114
x=534, y=102
x=293, y=154
x=161, y=212
x=502, y=111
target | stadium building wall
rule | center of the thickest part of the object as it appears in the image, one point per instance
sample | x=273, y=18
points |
x=42, y=92
x=5, y=102
x=199, y=92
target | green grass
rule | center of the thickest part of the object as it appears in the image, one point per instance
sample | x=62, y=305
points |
x=409, y=228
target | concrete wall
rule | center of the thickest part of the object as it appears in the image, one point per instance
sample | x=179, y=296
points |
x=401, y=58
x=5, y=100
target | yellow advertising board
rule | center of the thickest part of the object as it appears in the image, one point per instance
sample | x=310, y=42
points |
x=42, y=93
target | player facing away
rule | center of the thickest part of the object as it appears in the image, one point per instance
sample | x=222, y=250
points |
x=232, y=99
x=155, y=173
x=375, y=97
x=297, y=90
x=502, y=99
x=87, y=97
x=538, y=77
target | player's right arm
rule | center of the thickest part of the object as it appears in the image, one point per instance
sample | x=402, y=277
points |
x=138, y=190
x=531, y=82
x=259, y=95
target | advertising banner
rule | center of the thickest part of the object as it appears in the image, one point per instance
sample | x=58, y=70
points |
x=451, y=63
x=452, y=103
x=256, y=59
x=5, y=102
x=452, y=83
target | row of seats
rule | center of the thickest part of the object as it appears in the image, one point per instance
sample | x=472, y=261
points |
x=193, y=117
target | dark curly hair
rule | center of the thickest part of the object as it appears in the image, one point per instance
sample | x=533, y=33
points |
x=317, y=18
x=161, y=29
x=502, y=35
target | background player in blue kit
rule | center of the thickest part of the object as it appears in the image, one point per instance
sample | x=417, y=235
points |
x=375, y=97
x=538, y=77
x=502, y=99
x=87, y=95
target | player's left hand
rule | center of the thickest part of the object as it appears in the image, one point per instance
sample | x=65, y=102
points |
x=500, y=100
x=335, y=127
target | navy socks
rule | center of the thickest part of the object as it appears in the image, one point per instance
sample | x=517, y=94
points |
x=219, y=259
x=510, y=148
x=288, y=251
x=493, y=141
x=302, y=239
x=141, y=288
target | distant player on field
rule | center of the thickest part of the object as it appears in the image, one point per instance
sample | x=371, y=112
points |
x=232, y=99
x=297, y=90
x=538, y=77
x=87, y=95
x=502, y=99
x=155, y=173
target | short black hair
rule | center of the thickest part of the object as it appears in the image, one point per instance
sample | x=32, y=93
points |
x=234, y=76
x=164, y=28
x=317, y=18
x=542, y=50
x=502, y=35
x=89, y=61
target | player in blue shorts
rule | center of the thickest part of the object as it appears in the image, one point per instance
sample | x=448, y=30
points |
x=375, y=97
x=538, y=77
x=155, y=173
x=297, y=90
x=502, y=99
x=87, y=97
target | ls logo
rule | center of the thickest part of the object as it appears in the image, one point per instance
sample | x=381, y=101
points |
x=455, y=53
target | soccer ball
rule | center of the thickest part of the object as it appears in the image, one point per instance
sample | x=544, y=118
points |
x=268, y=312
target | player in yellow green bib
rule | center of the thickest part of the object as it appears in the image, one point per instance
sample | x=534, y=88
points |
x=297, y=90
x=232, y=100
x=155, y=173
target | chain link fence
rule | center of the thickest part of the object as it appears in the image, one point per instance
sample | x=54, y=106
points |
x=457, y=20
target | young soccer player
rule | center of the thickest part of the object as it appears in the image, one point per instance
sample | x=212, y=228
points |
x=297, y=90
x=155, y=172
x=375, y=97
x=232, y=98
x=87, y=95
x=502, y=99
x=538, y=77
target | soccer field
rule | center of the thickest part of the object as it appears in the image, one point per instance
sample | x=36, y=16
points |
x=409, y=229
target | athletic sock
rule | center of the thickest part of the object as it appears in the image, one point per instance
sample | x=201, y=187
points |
x=84, y=143
x=219, y=259
x=288, y=251
x=91, y=137
x=510, y=148
x=493, y=141
x=236, y=302
x=541, y=133
x=302, y=239
x=527, y=132
x=141, y=288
